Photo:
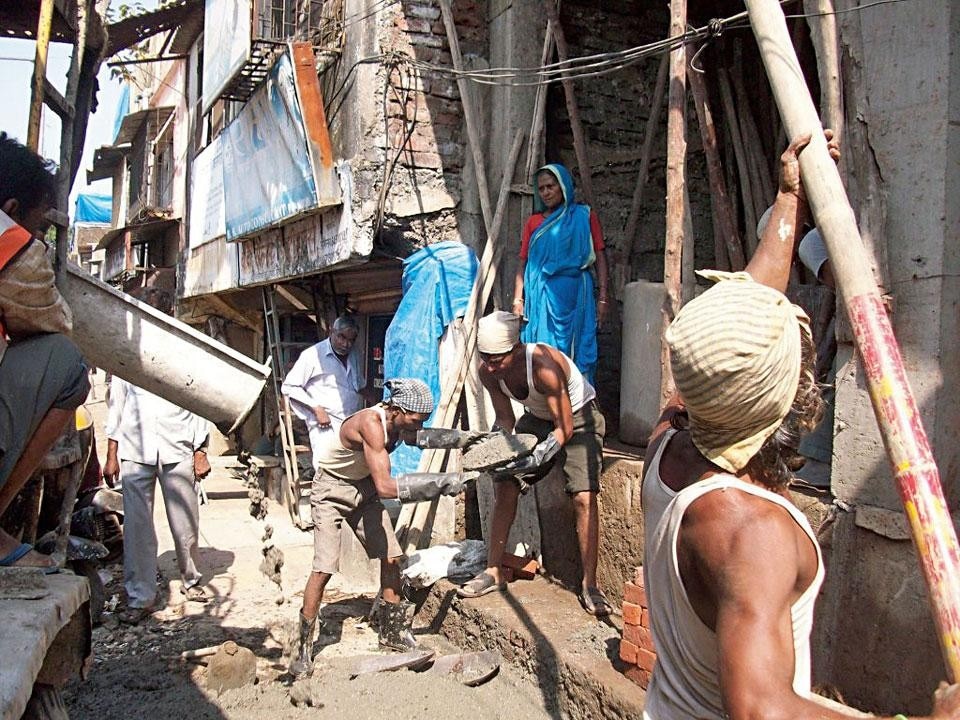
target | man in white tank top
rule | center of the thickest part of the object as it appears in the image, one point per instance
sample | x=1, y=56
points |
x=561, y=411
x=731, y=567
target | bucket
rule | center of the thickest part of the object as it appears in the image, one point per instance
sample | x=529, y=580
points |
x=162, y=355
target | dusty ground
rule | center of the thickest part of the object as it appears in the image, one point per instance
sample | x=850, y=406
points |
x=137, y=671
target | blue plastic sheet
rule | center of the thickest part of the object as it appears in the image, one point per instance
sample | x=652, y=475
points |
x=123, y=109
x=437, y=282
x=93, y=209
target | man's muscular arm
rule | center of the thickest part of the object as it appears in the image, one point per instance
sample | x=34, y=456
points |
x=744, y=562
x=369, y=430
x=550, y=378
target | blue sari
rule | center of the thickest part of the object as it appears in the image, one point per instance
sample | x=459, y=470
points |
x=558, y=285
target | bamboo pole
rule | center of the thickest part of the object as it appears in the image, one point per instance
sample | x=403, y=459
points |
x=39, y=74
x=825, y=37
x=898, y=416
x=746, y=191
x=676, y=180
x=579, y=139
x=535, y=138
x=726, y=225
x=414, y=518
x=469, y=114
x=650, y=133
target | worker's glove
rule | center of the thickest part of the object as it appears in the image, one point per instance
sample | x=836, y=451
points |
x=419, y=487
x=542, y=454
x=446, y=438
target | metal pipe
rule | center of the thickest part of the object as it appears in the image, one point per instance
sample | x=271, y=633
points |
x=898, y=416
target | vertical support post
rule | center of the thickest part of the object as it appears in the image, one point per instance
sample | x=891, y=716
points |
x=39, y=74
x=676, y=180
x=726, y=226
x=579, y=139
x=894, y=405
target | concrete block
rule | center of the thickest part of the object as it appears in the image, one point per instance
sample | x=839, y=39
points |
x=640, y=361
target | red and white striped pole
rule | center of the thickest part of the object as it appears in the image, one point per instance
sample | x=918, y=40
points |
x=908, y=449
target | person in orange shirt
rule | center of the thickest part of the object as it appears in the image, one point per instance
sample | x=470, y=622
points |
x=43, y=378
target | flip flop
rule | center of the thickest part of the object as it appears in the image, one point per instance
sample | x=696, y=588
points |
x=482, y=584
x=21, y=550
x=594, y=602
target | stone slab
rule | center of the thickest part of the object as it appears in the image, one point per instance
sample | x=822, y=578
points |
x=29, y=628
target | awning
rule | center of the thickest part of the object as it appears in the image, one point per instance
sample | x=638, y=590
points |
x=105, y=160
x=132, y=123
x=141, y=232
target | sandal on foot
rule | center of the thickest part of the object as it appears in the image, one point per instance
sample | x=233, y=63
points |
x=594, y=602
x=481, y=585
x=18, y=553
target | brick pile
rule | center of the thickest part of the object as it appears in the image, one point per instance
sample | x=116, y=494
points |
x=636, y=645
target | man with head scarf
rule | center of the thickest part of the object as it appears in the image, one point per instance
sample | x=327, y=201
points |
x=352, y=475
x=731, y=567
x=561, y=411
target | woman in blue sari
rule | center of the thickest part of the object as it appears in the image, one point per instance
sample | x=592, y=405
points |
x=554, y=287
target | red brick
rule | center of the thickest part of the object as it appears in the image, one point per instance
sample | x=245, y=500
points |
x=639, y=636
x=635, y=594
x=646, y=659
x=638, y=675
x=628, y=652
x=645, y=617
x=523, y=568
x=632, y=614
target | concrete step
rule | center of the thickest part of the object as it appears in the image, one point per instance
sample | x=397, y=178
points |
x=540, y=629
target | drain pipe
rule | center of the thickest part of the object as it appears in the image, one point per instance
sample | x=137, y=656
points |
x=908, y=449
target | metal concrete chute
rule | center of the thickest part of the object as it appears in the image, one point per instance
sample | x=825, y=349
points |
x=161, y=354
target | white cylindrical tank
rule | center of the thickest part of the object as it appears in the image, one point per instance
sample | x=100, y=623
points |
x=160, y=354
x=640, y=361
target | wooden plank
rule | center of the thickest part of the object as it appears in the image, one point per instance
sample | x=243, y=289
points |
x=414, y=518
x=676, y=180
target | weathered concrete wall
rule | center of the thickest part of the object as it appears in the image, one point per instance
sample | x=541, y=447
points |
x=874, y=613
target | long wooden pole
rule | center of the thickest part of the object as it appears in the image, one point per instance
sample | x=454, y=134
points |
x=573, y=111
x=822, y=20
x=650, y=133
x=676, y=180
x=898, y=416
x=726, y=220
x=413, y=518
x=739, y=154
x=39, y=74
x=469, y=114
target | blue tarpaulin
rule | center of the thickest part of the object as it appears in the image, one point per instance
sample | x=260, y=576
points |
x=123, y=109
x=437, y=282
x=93, y=209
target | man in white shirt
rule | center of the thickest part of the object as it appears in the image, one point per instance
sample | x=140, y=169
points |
x=325, y=384
x=155, y=440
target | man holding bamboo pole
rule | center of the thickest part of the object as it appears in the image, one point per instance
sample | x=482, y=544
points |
x=731, y=567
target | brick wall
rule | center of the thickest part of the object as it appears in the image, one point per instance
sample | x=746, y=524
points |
x=425, y=139
x=636, y=645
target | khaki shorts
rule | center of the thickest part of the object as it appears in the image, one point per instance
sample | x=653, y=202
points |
x=582, y=457
x=334, y=501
